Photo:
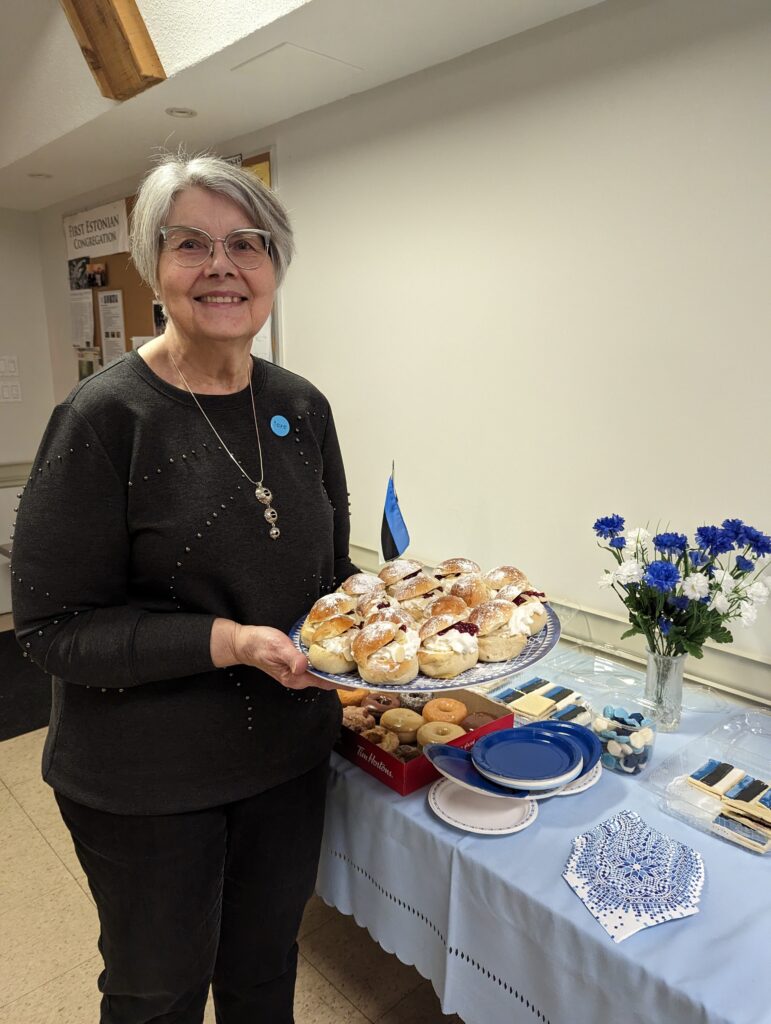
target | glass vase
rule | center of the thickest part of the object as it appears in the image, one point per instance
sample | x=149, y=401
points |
x=664, y=688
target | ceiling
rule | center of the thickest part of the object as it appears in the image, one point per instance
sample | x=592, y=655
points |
x=54, y=121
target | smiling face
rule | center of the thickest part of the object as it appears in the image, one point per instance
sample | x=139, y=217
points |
x=216, y=302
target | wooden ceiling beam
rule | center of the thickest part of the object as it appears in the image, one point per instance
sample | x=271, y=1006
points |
x=116, y=44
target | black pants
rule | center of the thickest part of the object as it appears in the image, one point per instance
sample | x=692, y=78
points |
x=209, y=897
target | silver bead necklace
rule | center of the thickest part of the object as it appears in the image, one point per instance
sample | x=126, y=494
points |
x=261, y=493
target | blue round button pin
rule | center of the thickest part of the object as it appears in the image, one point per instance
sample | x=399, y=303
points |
x=279, y=425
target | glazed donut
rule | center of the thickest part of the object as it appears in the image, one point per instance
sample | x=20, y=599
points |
x=403, y=722
x=438, y=732
x=357, y=719
x=445, y=709
x=476, y=720
x=330, y=649
x=325, y=608
x=377, y=703
x=382, y=738
x=398, y=569
x=351, y=698
x=361, y=583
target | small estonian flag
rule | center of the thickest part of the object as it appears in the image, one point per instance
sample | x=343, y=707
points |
x=394, y=538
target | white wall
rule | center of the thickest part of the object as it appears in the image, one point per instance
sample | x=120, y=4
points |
x=537, y=277
x=23, y=333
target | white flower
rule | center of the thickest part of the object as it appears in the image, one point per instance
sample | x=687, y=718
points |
x=726, y=582
x=696, y=586
x=720, y=602
x=638, y=536
x=748, y=613
x=606, y=581
x=757, y=592
x=630, y=571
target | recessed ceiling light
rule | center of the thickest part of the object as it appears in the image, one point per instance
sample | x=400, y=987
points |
x=181, y=112
x=39, y=174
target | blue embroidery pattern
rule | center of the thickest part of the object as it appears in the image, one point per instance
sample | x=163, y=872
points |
x=629, y=876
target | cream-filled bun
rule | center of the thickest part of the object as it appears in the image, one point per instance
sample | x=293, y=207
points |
x=361, y=583
x=386, y=653
x=498, y=641
x=504, y=576
x=530, y=615
x=398, y=569
x=325, y=608
x=330, y=649
x=471, y=589
x=396, y=615
x=448, y=646
x=452, y=569
x=413, y=594
x=372, y=601
x=446, y=604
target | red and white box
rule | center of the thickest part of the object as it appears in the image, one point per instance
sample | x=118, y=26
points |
x=407, y=777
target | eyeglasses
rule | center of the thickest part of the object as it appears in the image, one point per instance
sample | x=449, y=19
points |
x=192, y=247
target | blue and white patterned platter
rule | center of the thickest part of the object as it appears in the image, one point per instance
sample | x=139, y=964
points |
x=629, y=876
x=474, y=812
x=537, y=647
x=527, y=758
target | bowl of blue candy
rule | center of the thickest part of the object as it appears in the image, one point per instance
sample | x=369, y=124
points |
x=627, y=731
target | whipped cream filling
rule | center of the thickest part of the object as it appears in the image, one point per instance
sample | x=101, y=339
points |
x=460, y=643
x=402, y=649
x=416, y=606
x=522, y=617
x=340, y=644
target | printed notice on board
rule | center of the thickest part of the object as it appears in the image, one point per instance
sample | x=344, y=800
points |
x=112, y=328
x=81, y=319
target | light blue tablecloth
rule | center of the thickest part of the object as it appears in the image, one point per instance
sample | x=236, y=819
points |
x=502, y=937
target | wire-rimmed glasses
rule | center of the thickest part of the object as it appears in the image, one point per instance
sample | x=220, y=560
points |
x=192, y=247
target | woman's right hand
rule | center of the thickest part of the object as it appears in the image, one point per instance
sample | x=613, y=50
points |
x=264, y=648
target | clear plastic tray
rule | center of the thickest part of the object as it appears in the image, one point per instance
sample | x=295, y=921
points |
x=743, y=741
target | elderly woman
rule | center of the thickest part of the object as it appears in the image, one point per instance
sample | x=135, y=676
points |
x=187, y=504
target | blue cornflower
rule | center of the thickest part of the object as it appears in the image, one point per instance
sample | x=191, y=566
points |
x=744, y=564
x=618, y=542
x=735, y=529
x=713, y=540
x=662, y=576
x=608, y=526
x=758, y=542
x=665, y=625
x=680, y=603
x=697, y=558
x=670, y=543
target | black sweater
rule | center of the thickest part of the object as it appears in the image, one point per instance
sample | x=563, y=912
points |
x=134, y=531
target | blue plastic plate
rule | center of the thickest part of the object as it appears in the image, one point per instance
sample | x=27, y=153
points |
x=457, y=766
x=528, y=758
x=588, y=743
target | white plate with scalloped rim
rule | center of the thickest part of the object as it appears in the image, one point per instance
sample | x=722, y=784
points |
x=536, y=648
x=482, y=815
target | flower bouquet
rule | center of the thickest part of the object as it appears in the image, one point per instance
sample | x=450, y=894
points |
x=679, y=595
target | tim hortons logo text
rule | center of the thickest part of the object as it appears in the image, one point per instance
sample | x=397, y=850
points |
x=367, y=755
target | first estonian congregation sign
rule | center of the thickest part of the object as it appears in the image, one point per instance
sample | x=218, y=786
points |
x=97, y=232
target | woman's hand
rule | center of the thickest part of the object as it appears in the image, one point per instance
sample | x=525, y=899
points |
x=264, y=648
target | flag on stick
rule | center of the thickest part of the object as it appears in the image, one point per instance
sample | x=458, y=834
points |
x=394, y=538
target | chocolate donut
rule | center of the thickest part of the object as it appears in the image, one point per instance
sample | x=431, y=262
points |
x=476, y=720
x=377, y=703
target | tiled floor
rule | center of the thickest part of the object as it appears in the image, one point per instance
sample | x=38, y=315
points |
x=48, y=929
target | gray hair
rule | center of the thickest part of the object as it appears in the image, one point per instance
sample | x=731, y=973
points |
x=177, y=172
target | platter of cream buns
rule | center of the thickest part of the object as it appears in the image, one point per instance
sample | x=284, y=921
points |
x=412, y=628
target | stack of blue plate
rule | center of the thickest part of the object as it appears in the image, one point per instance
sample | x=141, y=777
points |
x=527, y=761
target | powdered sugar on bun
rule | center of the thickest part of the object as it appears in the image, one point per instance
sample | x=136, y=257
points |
x=504, y=575
x=457, y=567
x=492, y=616
x=471, y=589
x=329, y=605
x=360, y=583
x=396, y=570
x=417, y=586
x=446, y=604
x=372, y=637
x=396, y=615
x=333, y=627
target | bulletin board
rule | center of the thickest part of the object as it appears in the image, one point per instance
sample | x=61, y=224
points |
x=137, y=296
